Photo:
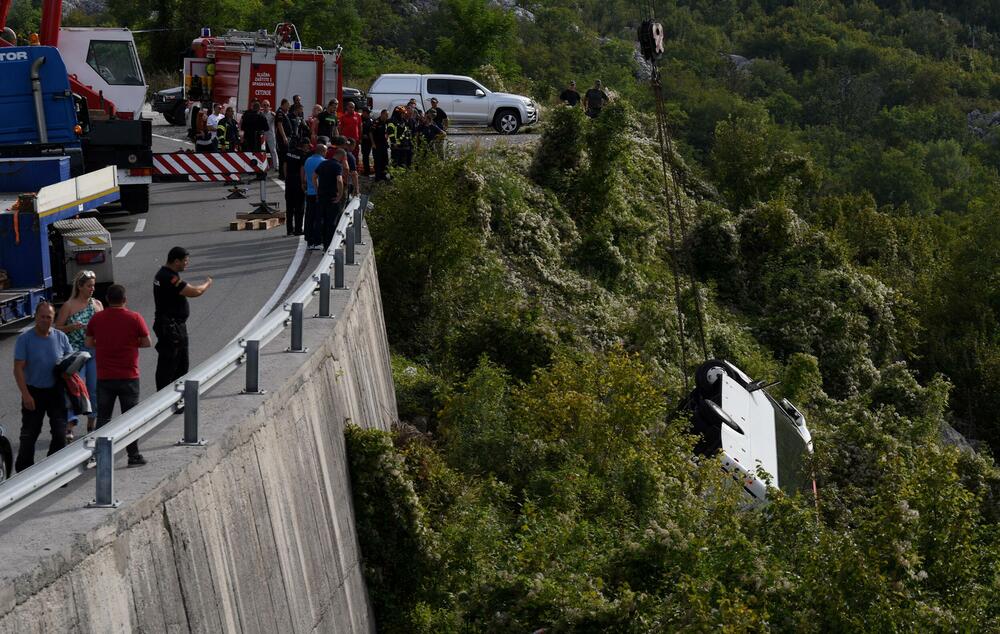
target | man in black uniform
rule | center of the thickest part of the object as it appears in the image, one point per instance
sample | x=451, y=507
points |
x=380, y=144
x=366, y=140
x=330, y=194
x=254, y=126
x=440, y=116
x=283, y=132
x=170, y=295
x=570, y=96
x=295, y=196
x=328, y=124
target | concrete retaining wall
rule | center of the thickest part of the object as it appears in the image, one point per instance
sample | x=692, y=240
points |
x=252, y=533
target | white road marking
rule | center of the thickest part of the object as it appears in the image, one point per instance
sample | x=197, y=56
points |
x=170, y=138
x=125, y=249
x=280, y=184
x=140, y=225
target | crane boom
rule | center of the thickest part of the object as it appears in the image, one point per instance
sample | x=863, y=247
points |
x=48, y=31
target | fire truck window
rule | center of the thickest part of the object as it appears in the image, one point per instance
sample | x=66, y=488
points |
x=115, y=62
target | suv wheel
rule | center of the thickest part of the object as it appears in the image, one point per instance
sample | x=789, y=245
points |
x=507, y=122
x=176, y=116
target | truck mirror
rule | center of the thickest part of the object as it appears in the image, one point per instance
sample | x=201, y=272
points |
x=480, y=93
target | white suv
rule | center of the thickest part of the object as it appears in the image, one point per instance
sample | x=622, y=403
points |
x=463, y=99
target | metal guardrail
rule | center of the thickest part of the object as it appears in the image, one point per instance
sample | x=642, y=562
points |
x=64, y=466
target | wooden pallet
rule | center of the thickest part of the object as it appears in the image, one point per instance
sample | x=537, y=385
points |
x=246, y=225
x=249, y=216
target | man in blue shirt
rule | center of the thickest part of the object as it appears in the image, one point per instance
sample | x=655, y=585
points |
x=313, y=228
x=36, y=354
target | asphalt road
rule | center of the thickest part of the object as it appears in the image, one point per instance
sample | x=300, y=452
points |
x=246, y=267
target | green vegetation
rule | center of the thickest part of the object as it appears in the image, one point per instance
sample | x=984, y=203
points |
x=547, y=482
x=840, y=202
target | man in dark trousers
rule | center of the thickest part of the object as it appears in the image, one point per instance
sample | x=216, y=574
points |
x=254, y=126
x=295, y=196
x=330, y=193
x=170, y=295
x=594, y=100
x=570, y=96
x=366, y=140
x=36, y=353
x=116, y=334
x=314, y=222
x=380, y=145
x=283, y=134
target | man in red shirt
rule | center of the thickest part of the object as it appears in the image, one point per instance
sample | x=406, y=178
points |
x=116, y=338
x=350, y=127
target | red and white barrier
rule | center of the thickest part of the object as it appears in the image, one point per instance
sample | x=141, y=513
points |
x=209, y=166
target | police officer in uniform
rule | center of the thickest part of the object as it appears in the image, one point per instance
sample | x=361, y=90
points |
x=295, y=196
x=170, y=296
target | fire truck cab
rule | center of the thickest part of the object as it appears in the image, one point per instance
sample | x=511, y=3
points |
x=240, y=67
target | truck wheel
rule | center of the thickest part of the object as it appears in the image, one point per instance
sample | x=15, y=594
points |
x=135, y=198
x=507, y=121
x=176, y=116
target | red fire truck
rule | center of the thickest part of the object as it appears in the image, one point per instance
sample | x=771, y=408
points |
x=240, y=67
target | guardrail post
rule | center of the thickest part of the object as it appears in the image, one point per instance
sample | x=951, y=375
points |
x=349, y=245
x=105, y=494
x=253, y=367
x=296, y=329
x=338, y=268
x=358, y=215
x=191, y=415
x=324, y=295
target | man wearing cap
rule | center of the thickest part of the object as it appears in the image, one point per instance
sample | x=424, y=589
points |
x=328, y=123
x=570, y=96
x=438, y=113
x=170, y=297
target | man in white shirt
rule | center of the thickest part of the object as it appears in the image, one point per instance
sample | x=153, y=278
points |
x=212, y=125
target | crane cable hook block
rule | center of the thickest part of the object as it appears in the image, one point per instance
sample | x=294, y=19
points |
x=651, y=40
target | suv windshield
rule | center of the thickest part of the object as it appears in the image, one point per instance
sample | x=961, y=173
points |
x=115, y=61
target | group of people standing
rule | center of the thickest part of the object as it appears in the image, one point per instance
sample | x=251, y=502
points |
x=410, y=130
x=111, y=336
x=594, y=99
x=373, y=140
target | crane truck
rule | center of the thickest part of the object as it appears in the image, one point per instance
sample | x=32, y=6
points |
x=43, y=243
x=106, y=83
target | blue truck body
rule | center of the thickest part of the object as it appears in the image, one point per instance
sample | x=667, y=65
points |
x=18, y=124
x=37, y=183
